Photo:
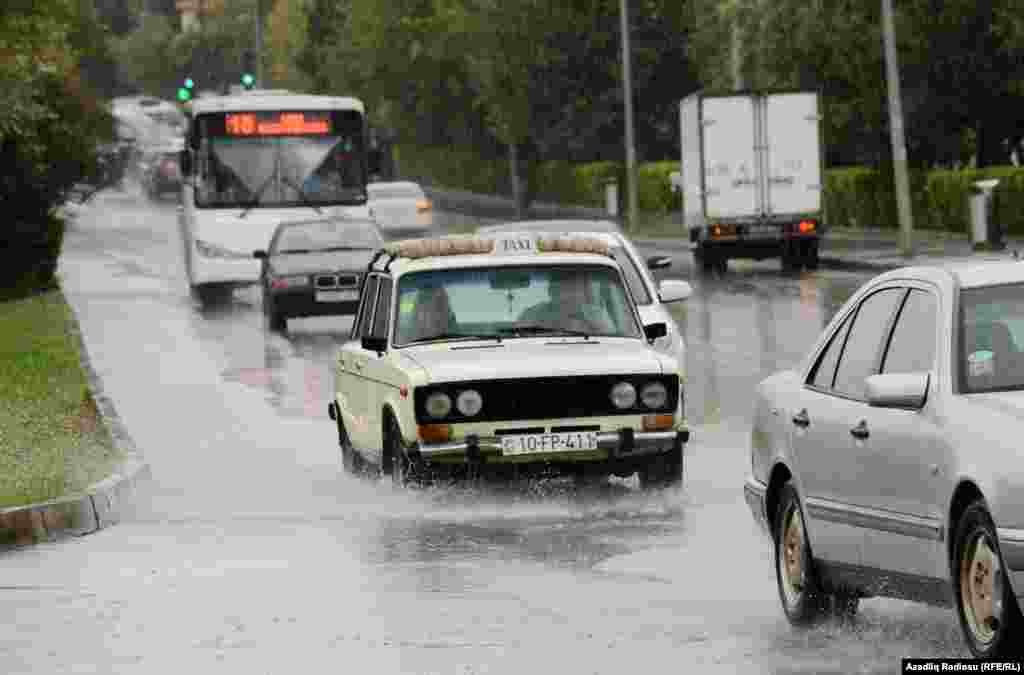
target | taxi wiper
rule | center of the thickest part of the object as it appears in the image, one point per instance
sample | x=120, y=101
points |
x=295, y=250
x=534, y=329
x=344, y=248
x=302, y=194
x=459, y=336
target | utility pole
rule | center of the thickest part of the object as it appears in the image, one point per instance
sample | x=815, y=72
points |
x=737, y=55
x=627, y=94
x=899, y=146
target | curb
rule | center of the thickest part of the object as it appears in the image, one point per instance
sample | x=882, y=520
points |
x=101, y=504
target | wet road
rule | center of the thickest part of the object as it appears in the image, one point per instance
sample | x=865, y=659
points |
x=252, y=552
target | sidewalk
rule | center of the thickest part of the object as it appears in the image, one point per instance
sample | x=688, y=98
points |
x=870, y=249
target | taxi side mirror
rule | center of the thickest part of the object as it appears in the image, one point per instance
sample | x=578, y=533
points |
x=259, y=255
x=374, y=344
x=653, y=331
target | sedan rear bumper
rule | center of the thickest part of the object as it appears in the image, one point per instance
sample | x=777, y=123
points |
x=304, y=304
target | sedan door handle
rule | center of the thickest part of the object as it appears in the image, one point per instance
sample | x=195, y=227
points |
x=860, y=432
x=802, y=419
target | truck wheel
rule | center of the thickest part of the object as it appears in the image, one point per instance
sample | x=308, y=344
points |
x=705, y=259
x=811, y=255
x=722, y=265
x=790, y=257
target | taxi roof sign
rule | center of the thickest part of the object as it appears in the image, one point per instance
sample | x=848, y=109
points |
x=515, y=244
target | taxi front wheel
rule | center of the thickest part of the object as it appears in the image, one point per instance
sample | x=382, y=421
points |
x=988, y=611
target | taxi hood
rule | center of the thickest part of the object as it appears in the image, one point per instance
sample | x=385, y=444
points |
x=537, y=357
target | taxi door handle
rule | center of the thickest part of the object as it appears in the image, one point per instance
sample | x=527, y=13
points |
x=358, y=364
x=802, y=419
x=860, y=432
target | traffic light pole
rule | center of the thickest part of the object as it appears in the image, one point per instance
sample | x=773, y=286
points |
x=259, y=44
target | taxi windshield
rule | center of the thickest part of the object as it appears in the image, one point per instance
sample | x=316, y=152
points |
x=513, y=302
x=992, y=339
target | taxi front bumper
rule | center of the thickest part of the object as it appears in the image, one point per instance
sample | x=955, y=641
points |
x=622, y=444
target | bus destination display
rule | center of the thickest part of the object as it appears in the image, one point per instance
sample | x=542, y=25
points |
x=277, y=124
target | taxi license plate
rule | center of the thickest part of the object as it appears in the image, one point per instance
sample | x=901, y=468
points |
x=337, y=296
x=559, y=442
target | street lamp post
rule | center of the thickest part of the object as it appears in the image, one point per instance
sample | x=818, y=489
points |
x=899, y=146
x=627, y=94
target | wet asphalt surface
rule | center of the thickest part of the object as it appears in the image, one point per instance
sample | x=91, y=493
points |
x=251, y=551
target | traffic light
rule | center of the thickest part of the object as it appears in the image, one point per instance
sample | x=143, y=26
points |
x=248, y=69
x=185, y=90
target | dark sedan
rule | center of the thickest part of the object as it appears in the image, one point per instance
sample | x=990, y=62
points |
x=313, y=268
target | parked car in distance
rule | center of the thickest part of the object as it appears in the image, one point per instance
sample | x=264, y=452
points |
x=888, y=462
x=160, y=171
x=401, y=209
x=512, y=356
x=314, y=267
x=651, y=298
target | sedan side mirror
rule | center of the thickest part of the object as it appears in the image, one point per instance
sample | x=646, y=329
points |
x=897, y=390
x=674, y=290
x=659, y=262
x=374, y=344
x=653, y=331
x=259, y=255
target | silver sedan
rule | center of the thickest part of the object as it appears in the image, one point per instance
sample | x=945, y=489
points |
x=889, y=463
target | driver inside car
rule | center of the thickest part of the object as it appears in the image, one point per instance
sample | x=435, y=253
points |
x=570, y=307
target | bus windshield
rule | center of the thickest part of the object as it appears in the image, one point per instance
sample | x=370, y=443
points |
x=259, y=166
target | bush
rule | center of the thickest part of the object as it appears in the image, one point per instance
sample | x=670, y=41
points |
x=853, y=196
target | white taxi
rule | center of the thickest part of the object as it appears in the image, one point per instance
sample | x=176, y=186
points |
x=508, y=355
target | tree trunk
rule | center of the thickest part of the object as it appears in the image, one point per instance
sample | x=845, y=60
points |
x=989, y=145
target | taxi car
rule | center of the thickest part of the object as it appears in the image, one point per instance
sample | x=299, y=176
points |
x=888, y=462
x=520, y=355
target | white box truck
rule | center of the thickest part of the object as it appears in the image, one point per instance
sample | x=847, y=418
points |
x=752, y=171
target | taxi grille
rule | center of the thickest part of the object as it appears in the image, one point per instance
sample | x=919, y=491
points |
x=546, y=398
x=337, y=280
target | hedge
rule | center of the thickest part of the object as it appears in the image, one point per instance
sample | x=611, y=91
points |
x=854, y=196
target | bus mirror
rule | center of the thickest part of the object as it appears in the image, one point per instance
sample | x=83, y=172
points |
x=185, y=162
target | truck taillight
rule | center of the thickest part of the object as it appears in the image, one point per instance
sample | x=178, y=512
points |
x=807, y=226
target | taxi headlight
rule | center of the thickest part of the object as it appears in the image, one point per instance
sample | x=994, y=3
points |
x=654, y=395
x=623, y=395
x=469, y=402
x=438, y=404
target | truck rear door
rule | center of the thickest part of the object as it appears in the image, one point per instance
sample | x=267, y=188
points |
x=791, y=131
x=731, y=168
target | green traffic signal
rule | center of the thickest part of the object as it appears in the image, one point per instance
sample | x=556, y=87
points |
x=189, y=84
x=184, y=94
x=248, y=80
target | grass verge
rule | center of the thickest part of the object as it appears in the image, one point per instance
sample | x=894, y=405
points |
x=52, y=442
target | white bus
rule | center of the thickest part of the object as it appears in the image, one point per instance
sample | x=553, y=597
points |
x=255, y=159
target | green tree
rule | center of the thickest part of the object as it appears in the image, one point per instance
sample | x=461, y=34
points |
x=50, y=125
